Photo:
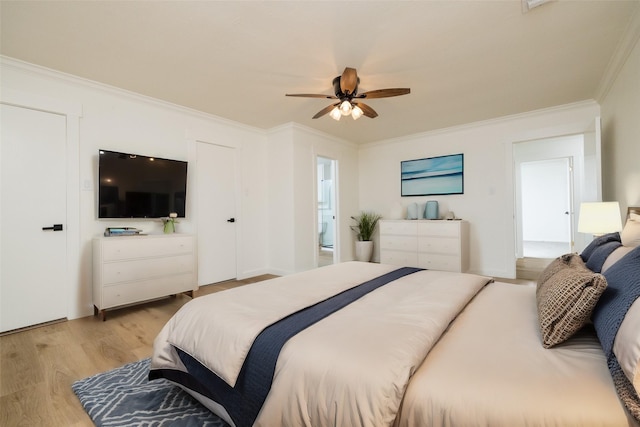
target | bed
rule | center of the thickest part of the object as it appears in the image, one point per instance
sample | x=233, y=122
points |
x=363, y=344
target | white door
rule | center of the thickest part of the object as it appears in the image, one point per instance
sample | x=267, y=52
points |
x=546, y=188
x=33, y=260
x=216, y=177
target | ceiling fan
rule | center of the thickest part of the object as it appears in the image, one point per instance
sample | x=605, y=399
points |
x=346, y=91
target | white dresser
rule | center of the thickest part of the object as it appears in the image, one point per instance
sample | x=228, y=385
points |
x=431, y=244
x=131, y=269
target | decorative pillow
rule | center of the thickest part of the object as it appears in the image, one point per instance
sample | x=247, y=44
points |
x=630, y=235
x=600, y=255
x=615, y=257
x=558, y=264
x=600, y=240
x=565, y=301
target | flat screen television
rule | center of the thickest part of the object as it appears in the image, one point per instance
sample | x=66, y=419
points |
x=135, y=186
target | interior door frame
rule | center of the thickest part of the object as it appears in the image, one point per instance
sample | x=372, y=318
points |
x=75, y=293
x=590, y=129
x=334, y=202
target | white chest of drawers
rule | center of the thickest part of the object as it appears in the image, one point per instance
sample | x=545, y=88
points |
x=435, y=245
x=131, y=269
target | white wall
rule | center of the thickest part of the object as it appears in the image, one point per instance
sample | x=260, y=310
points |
x=621, y=132
x=293, y=238
x=281, y=209
x=120, y=121
x=488, y=199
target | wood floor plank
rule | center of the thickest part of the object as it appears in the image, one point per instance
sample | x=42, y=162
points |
x=19, y=367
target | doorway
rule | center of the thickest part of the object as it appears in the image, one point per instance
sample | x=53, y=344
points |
x=551, y=177
x=216, y=213
x=326, y=230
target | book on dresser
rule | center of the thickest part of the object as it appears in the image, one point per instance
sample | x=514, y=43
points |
x=431, y=244
x=133, y=269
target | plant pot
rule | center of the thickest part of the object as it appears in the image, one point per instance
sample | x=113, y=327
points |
x=364, y=250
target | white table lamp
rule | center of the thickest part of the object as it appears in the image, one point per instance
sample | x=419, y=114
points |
x=599, y=218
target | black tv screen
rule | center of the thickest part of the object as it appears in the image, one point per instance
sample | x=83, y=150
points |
x=135, y=186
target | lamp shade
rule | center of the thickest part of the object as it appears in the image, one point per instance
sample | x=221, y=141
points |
x=599, y=218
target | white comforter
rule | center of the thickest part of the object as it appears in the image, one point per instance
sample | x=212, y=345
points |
x=351, y=368
x=490, y=369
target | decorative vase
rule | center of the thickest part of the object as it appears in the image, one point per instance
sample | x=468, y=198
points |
x=364, y=250
x=169, y=227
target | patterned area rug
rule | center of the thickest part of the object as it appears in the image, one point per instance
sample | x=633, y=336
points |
x=125, y=397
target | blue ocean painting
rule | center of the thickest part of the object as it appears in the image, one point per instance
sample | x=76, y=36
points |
x=435, y=175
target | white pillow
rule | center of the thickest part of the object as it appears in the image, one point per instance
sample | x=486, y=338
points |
x=626, y=346
x=630, y=235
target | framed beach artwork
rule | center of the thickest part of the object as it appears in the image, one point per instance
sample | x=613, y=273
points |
x=432, y=176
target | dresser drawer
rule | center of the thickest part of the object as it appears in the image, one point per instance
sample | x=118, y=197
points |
x=122, y=271
x=398, y=227
x=405, y=259
x=440, y=245
x=127, y=248
x=439, y=262
x=128, y=293
x=439, y=228
x=399, y=243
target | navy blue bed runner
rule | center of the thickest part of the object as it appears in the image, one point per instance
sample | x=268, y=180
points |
x=244, y=400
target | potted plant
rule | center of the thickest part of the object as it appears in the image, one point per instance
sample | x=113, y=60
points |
x=366, y=224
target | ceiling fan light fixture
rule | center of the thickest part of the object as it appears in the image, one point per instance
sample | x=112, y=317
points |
x=345, y=108
x=346, y=92
x=356, y=113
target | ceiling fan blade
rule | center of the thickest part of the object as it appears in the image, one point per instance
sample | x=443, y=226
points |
x=311, y=95
x=366, y=110
x=349, y=81
x=384, y=93
x=324, y=111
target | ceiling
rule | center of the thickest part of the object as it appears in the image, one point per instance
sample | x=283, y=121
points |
x=464, y=61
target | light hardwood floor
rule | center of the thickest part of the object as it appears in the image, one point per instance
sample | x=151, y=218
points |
x=38, y=366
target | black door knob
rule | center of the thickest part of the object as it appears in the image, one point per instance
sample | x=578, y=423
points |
x=231, y=220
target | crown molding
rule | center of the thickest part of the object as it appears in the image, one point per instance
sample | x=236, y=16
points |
x=619, y=57
x=26, y=67
x=489, y=122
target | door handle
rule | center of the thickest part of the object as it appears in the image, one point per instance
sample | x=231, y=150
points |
x=56, y=227
x=231, y=220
